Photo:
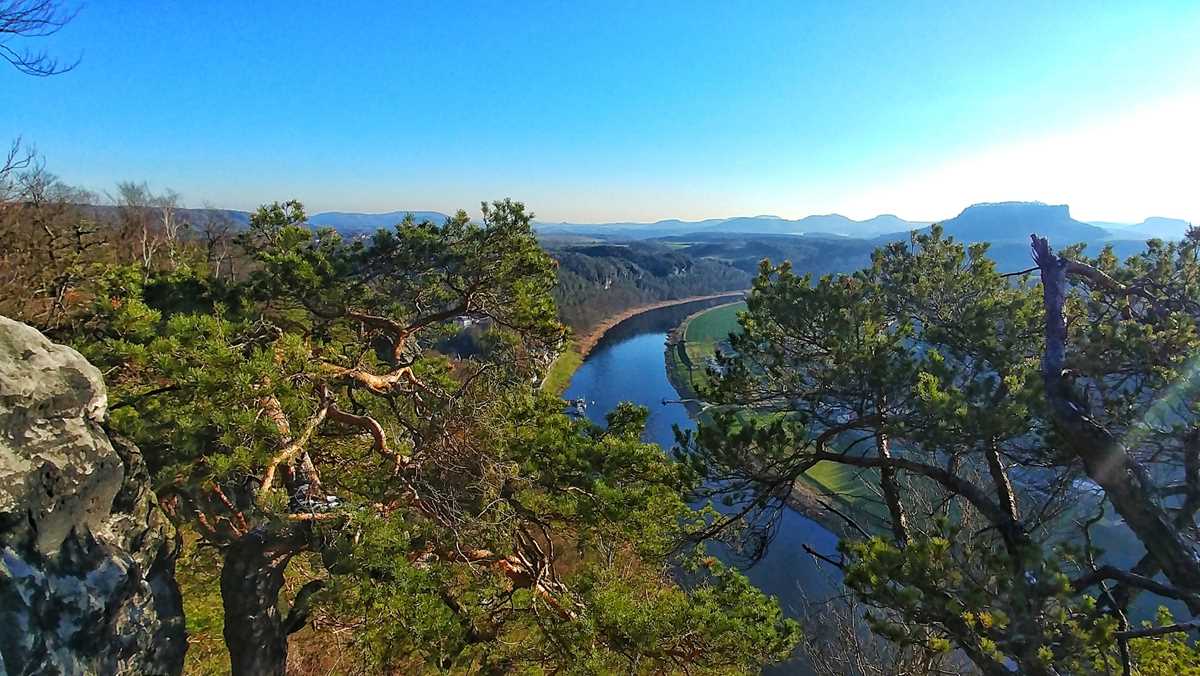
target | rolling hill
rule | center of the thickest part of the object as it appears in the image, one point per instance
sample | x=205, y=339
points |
x=350, y=222
x=834, y=224
x=1155, y=226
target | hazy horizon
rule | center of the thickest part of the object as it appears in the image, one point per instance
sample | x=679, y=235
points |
x=613, y=113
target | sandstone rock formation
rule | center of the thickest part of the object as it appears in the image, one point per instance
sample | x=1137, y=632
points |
x=87, y=558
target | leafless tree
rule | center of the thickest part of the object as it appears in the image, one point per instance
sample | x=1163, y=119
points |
x=48, y=245
x=133, y=202
x=21, y=19
x=838, y=642
x=216, y=230
x=18, y=158
x=149, y=221
x=168, y=215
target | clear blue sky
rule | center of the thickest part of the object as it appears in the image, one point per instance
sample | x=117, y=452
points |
x=639, y=110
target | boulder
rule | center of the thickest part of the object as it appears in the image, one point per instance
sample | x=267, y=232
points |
x=87, y=557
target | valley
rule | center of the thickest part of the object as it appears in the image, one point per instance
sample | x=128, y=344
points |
x=627, y=365
x=591, y=339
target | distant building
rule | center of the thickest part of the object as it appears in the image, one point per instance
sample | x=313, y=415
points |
x=713, y=365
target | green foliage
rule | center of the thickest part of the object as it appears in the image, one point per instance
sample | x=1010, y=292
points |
x=600, y=281
x=617, y=499
x=198, y=573
x=721, y=625
x=608, y=486
x=474, y=524
x=926, y=367
x=1166, y=656
x=402, y=604
x=938, y=591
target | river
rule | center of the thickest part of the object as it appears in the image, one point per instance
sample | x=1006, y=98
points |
x=627, y=364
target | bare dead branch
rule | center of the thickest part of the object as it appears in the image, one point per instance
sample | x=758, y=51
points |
x=291, y=450
x=1149, y=632
x=1132, y=579
x=33, y=19
x=1126, y=483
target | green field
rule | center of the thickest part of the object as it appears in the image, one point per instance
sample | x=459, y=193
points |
x=845, y=484
x=848, y=483
x=714, y=325
x=559, y=375
x=686, y=362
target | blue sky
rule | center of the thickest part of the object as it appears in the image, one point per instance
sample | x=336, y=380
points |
x=629, y=111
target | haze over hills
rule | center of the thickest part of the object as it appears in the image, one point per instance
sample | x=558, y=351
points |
x=1155, y=226
x=1014, y=221
x=627, y=230
x=832, y=224
x=989, y=221
x=996, y=222
x=993, y=221
x=353, y=222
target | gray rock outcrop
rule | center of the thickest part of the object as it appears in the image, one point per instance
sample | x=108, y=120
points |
x=87, y=558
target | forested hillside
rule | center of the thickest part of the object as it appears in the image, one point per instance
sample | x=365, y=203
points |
x=601, y=280
x=817, y=254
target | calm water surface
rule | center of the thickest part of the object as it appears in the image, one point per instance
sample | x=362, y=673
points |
x=628, y=365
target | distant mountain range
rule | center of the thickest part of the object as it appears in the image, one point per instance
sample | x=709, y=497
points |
x=828, y=224
x=1155, y=226
x=352, y=222
x=993, y=222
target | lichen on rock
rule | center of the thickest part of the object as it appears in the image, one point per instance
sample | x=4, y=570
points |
x=87, y=558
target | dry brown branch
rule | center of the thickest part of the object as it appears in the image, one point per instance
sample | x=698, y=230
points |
x=383, y=385
x=239, y=519
x=372, y=426
x=291, y=450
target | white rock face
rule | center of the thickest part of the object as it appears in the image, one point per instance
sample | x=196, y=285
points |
x=87, y=559
x=56, y=463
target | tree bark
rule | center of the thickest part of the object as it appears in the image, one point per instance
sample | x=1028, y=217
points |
x=891, y=490
x=251, y=579
x=1004, y=489
x=1125, y=481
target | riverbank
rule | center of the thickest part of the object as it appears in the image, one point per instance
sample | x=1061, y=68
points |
x=685, y=357
x=558, y=376
x=588, y=340
x=825, y=484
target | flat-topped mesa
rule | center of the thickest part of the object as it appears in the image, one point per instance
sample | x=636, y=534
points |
x=1013, y=221
x=87, y=557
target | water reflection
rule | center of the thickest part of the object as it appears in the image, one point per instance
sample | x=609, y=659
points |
x=628, y=365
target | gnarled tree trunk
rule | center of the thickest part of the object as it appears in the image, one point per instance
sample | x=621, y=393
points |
x=251, y=578
x=1126, y=483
